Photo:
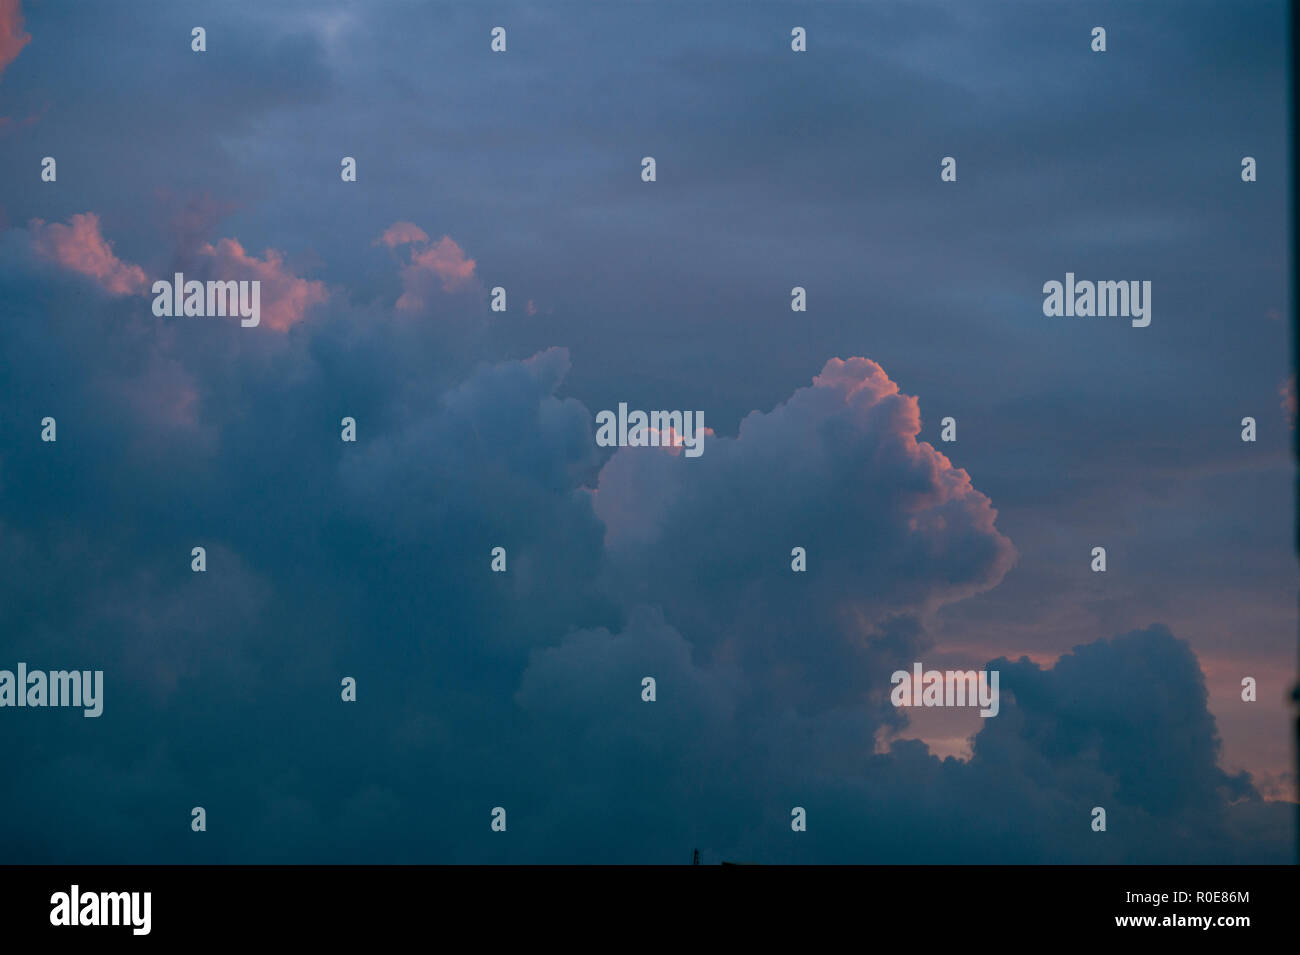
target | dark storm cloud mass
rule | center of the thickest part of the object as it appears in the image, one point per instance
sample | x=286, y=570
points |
x=475, y=430
x=477, y=690
x=1120, y=724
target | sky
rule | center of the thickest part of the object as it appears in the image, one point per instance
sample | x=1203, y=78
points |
x=476, y=429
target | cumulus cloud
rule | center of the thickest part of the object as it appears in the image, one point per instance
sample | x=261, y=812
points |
x=604, y=702
x=890, y=527
x=430, y=264
x=506, y=414
x=443, y=259
x=523, y=689
x=497, y=460
x=12, y=37
x=285, y=296
x=1119, y=723
x=1133, y=709
x=81, y=247
x=402, y=233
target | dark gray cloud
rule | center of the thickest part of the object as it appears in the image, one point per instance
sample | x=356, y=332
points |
x=475, y=430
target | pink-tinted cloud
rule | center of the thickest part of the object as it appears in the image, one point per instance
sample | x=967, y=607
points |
x=12, y=37
x=909, y=532
x=669, y=440
x=402, y=233
x=285, y=296
x=81, y=247
x=446, y=260
x=431, y=263
x=1288, y=396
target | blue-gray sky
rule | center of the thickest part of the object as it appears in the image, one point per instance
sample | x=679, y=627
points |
x=522, y=169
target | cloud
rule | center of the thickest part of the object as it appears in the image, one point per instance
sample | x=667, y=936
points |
x=402, y=233
x=609, y=665
x=497, y=459
x=81, y=247
x=524, y=688
x=890, y=527
x=440, y=263
x=1133, y=709
x=285, y=296
x=1121, y=723
x=446, y=260
x=191, y=219
x=12, y=37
